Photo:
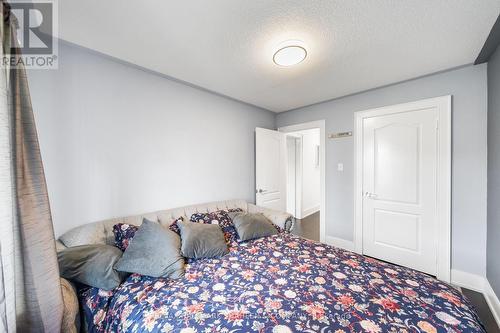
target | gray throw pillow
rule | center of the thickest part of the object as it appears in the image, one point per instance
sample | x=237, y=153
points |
x=91, y=265
x=250, y=226
x=201, y=240
x=154, y=251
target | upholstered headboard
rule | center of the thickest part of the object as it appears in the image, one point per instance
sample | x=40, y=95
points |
x=102, y=232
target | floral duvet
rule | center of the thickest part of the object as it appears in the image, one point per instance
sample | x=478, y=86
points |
x=282, y=283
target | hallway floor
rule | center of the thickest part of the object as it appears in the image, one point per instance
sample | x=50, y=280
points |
x=308, y=227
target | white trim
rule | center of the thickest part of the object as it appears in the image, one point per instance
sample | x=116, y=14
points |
x=480, y=284
x=321, y=125
x=299, y=183
x=294, y=183
x=467, y=280
x=341, y=243
x=310, y=211
x=492, y=300
x=358, y=183
x=443, y=104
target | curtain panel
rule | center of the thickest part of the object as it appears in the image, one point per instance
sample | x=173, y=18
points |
x=30, y=290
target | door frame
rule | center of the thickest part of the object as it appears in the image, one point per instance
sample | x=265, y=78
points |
x=322, y=164
x=443, y=188
x=297, y=179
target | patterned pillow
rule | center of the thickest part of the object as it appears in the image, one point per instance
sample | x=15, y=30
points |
x=174, y=227
x=280, y=229
x=125, y=232
x=221, y=218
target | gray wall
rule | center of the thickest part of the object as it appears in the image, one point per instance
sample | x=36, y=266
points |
x=468, y=86
x=116, y=140
x=493, y=250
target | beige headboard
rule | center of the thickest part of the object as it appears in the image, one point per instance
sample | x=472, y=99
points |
x=102, y=232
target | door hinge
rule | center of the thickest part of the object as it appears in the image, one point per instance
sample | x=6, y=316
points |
x=437, y=124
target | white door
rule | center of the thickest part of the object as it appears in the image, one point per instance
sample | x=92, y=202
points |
x=270, y=169
x=399, y=188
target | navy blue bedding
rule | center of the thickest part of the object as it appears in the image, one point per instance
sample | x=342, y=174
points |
x=282, y=283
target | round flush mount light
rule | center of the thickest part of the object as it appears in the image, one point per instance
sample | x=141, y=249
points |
x=291, y=54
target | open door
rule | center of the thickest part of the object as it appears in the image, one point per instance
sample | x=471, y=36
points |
x=270, y=169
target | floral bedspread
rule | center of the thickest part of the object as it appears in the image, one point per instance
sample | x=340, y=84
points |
x=282, y=283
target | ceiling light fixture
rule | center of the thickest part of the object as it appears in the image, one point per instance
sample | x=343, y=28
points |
x=290, y=53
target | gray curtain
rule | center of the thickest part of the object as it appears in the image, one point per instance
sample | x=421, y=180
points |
x=30, y=290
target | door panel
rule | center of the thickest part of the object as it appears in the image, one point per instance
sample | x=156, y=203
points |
x=399, y=186
x=400, y=230
x=396, y=162
x=270, y=169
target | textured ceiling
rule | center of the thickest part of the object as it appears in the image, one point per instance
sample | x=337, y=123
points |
x=226, y=46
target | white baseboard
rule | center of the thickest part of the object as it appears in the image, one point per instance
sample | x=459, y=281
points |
x=492, y=300
x=339, y=242
x=480, y=284
x=467, y=280
x=310, y=211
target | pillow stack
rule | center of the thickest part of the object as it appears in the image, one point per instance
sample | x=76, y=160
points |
x=125, y=232
x=153, y=250
x=222, y=219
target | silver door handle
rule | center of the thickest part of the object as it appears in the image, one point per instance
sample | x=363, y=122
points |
x=261, y=190
x=370, y=195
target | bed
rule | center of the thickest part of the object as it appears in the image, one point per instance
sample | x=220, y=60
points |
x=280, y=283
